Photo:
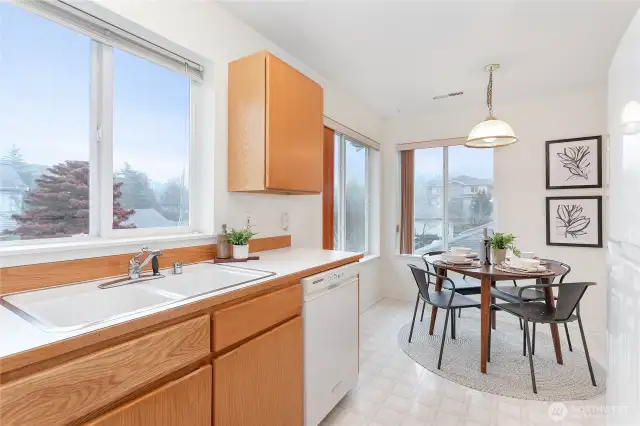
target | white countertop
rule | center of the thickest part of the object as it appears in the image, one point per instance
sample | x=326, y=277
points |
x=18, y=335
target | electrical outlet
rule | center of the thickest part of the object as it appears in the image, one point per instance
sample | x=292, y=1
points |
x=247, y=219
x=284, y=221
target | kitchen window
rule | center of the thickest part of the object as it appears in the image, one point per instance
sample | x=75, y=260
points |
x=350, y=194
x=447, y=200
x=96, y=129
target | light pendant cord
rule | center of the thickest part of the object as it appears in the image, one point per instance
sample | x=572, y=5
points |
x=490, y=93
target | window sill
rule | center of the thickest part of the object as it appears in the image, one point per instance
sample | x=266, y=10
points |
x=369, y=257
x=93, y=247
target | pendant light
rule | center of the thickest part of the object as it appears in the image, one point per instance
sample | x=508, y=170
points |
x=491, y=133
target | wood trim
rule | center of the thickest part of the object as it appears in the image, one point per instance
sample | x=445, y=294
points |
x=31, y=277
x=186, y=401
x=247, y=100
x=70, y=391
x=269, y=243
x=407, y=167
x=243, y=320
x=327, y=188
x=17, y=365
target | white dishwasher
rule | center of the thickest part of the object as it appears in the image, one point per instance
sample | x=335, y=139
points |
x=330, y=314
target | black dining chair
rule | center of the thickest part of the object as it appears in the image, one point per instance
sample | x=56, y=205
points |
x=447, y=299
x=510, y=294
x=567, y=310
x=463, y=286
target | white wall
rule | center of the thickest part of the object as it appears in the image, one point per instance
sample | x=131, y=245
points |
x=623, y=383
x=519, y=174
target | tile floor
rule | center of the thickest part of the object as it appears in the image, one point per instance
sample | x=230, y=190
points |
x=393, y=390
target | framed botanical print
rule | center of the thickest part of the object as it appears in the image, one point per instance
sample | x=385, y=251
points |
x=574, y=221
x=574, y=163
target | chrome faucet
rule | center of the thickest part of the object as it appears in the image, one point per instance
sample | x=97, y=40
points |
x=136, y=267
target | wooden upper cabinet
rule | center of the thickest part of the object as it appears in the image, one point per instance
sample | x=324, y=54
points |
x=275, y=127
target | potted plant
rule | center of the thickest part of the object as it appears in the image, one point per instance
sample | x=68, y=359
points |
x=240, y=240
x=500, y=242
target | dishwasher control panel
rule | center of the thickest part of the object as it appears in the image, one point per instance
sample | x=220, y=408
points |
x=330, y=279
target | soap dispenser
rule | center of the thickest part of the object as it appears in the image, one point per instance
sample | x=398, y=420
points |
x=222, y=240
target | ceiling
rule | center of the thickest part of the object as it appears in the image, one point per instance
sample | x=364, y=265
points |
x=395, y=56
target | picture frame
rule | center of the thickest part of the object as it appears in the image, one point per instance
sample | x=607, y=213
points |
x=574, y=221
x=574, y=163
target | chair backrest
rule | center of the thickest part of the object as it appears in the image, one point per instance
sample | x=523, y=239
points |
x=426, y=278
x=563, y=265
x=431, y=253
x=569, y=296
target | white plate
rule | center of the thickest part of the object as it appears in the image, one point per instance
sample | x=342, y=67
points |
x=472, y=255
x=460, y=262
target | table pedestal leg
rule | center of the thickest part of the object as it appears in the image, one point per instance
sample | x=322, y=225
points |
x=555, y=335
x=434, y=310
x=485, y=306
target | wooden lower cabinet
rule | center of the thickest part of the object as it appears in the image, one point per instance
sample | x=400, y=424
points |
x=260, y=382
x=186, y=401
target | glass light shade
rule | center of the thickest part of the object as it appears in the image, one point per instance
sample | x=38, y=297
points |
x=630, y=119
x=491, y=133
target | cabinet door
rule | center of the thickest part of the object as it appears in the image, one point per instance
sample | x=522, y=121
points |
x=260, y=383
x=294, y=130
x=186, y=401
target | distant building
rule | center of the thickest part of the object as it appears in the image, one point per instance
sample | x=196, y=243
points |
x=12, y=190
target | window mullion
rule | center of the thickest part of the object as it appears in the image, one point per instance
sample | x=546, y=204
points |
x=445, y=197
x=366, y=199
x=94, y=140
x=105, y=168
x=343, y=193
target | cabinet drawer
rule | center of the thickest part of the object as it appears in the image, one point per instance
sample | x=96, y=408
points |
x=69, y=391
x=236, y=323
x=186, y=401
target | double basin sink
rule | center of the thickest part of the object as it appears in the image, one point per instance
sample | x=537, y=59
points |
x=77, y=306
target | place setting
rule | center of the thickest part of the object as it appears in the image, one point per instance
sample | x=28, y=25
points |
x=524, y=263
x=461, y=257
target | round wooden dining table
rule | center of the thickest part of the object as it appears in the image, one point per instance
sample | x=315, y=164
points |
x=488, y=276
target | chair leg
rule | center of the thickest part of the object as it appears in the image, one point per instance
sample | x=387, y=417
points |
x=524, y=343
x=520, y=321
x=489, y=342
x=533, y=374
x=413, y=321
x=453, y=323
x=444, y=336
x=586, y=351
x=566, y=329
x=533, y=338
x=424, y=305
x=459, y=313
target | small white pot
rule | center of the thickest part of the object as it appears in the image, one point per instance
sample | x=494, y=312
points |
x=240, y=252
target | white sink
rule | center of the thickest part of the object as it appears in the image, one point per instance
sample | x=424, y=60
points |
x=77, y=306
x=203, y=278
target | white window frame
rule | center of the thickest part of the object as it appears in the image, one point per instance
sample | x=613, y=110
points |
x=341, y=244
x=445, y=185
x=104, y=38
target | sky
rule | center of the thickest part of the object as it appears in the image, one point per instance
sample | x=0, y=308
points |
x=45, y=88
x=477, y=163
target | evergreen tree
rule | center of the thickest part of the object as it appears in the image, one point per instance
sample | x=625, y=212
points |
x=481, y=208
x=136, y=189
x=59, y=205
x=175, y=201
x=14, y=158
